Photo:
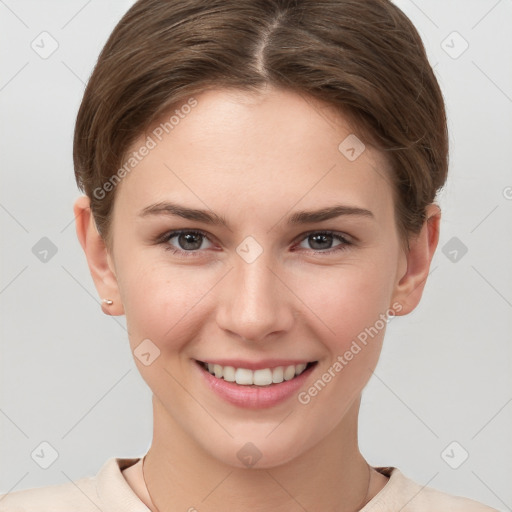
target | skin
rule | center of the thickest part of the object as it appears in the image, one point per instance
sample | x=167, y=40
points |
x=255, y=160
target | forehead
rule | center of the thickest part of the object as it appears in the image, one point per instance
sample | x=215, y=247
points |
x=235, y=148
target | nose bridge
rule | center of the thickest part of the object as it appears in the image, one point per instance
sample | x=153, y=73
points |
x=253, y=302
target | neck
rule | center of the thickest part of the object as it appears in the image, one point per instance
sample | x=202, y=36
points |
x=333, y=475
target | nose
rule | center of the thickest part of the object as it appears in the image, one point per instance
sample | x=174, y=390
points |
x=254, y=303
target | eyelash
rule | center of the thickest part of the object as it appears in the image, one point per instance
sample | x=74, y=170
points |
x=164, y=240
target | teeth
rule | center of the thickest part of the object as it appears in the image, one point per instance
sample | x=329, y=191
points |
x=263, y=377
x=299, y=368
x=217, y=370
x=277, y=375
x=243, y=377
x=229, y=374
x=289, y=372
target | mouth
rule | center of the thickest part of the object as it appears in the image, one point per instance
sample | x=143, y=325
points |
x=262, y=377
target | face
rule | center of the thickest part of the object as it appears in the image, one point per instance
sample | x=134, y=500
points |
x=247, y=239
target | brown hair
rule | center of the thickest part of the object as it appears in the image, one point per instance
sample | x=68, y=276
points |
x=364, y=58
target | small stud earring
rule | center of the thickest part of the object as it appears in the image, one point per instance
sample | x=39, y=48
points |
x=108, y=302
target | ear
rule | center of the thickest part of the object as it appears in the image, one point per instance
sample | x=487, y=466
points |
x=98, y=258
x=409, y=289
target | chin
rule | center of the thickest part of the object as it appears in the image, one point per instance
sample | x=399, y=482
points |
x=262, y=451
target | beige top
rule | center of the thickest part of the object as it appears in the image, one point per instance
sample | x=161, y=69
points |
x=109, y=491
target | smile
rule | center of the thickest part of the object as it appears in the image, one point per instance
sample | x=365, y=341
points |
x=255, y=384
x=260, y=377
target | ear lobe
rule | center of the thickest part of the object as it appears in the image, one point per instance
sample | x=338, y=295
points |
x=98, y=258
x=409, y=288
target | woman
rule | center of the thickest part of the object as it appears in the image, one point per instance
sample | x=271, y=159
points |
x=260, y=181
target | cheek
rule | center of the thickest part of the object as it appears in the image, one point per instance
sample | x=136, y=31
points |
x=162, y=301
x=352, y=302
x=348, y=299
x=163, y=304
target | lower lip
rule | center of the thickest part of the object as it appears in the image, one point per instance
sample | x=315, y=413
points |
x=254, y=397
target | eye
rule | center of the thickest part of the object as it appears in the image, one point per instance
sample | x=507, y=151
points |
x=325, y=241
x=186, y=241
x=191, y=242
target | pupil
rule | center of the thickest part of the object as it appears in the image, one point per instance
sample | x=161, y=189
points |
x=317, y=241
x=190, y=241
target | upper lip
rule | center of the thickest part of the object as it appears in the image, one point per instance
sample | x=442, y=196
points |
x=256, y=365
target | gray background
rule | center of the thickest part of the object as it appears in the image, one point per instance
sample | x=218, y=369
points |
x=67, y=374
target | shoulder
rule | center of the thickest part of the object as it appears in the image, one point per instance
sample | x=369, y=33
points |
x=77, y=496
x=402, y=493
x=88, y=494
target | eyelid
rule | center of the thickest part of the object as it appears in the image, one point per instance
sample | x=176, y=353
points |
x=168, y=235
x=345, y=242
x=348, y=238
x=176, y=232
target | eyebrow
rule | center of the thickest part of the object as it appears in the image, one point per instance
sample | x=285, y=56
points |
x=209, y=217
